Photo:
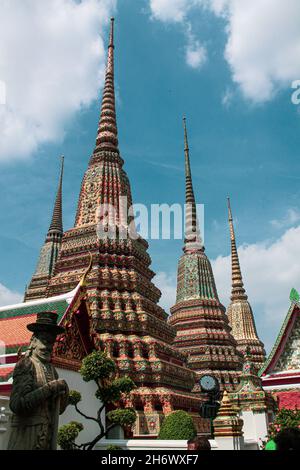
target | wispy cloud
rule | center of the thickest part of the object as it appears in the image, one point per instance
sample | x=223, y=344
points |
x=227, y=98
x=166, y=282
x=8, y=297
x=291, y=218
x=259, y=67
x=167, y=166
x=52, y=64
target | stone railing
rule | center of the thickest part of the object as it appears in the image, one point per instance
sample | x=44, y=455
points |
x=144, y=444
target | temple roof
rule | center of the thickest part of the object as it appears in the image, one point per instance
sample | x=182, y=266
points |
x=285, y=354
x=73, y=314
x=57, y=303
x=15, y=318
x=5, y=373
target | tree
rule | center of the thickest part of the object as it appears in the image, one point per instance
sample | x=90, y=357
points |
x=178, y=425
x=285, y=418
x=102, y=370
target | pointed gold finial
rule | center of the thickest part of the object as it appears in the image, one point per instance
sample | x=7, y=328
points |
x=186, y=144
x=107, y=135
x=111, y=34
x=229, y=208
x=83, y=279
x=230, y=220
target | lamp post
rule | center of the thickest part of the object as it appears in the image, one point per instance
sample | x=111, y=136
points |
x=209, y=409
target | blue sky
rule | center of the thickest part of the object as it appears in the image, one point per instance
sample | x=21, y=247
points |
x=244, y=141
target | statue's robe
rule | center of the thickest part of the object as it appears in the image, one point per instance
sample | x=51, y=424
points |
x=35, y=411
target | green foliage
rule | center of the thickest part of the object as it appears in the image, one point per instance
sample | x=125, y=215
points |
x=97, y=366
x=113, y=392
x=100, y=368
x=67, y=434
x=284, y=419
x=74, y=397
x=294, y=296
x=178, y=425
x=111, y=447
x=124, y=417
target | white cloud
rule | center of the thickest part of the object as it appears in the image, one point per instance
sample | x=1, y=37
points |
x=175, y=11
x=8, y=297
x=2, y=93
x=263, y=40
x=292, y=217
x=52, y=63
x=263, y=44
x=269, y=270
x=166, y=282
x=169, y=10
x=195, y=55
x=227, y=98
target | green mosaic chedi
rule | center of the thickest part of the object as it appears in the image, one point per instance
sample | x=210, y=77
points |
x=195, y=278
x=202, y=326
x=37, y=288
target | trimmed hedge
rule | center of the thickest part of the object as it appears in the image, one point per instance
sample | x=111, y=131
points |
x=178, y=425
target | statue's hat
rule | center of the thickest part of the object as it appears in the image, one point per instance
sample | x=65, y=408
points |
x=46, y=321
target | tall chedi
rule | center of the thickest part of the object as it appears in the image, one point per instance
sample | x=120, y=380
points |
x=49, y=251
x=239, y=311
x=202, y=326
x=127, y=321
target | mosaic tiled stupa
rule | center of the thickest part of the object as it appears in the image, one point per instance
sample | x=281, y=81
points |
x=203, y=330
x=127, y=320
x=239, y=311
x=49, y=251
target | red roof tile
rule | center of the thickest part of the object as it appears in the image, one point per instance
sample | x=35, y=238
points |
x=13, y=331
x=5, y=372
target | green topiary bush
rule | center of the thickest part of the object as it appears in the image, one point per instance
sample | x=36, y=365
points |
x=178, y=425
x=110, y=389
x=67, y=434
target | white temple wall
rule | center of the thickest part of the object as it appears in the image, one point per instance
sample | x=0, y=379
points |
x=227, y=443
x=89, y=405
x=254, y=428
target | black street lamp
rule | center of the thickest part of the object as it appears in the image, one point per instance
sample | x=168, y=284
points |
x=209, y=409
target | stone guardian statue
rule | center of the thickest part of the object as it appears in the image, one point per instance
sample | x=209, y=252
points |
x=38, y=395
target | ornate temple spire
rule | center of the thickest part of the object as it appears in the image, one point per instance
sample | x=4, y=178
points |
x=202, y=326
x=239, y=311
x=56, y=225
x=107, y=136
x=238, y=291
x=117, y=278
x=50, y=249
x=192, y=240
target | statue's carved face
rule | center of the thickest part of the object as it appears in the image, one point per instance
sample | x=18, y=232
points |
x=42, y=344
